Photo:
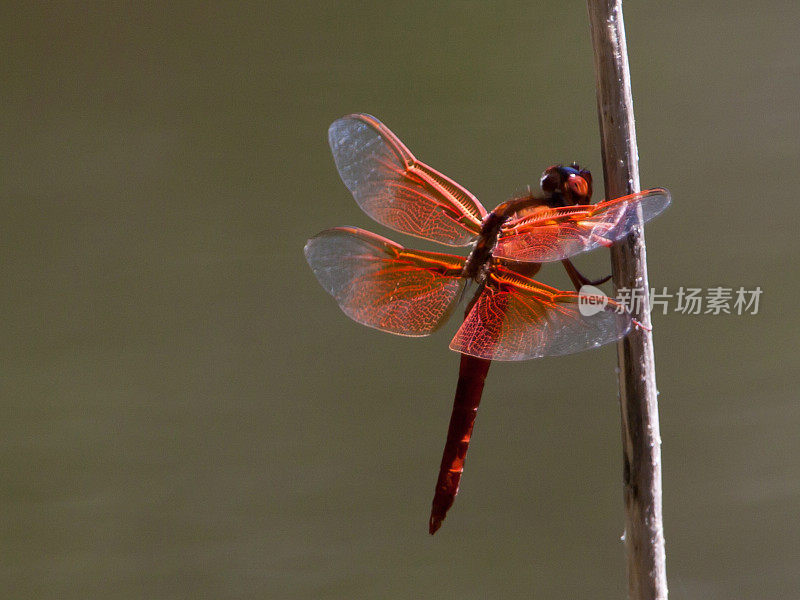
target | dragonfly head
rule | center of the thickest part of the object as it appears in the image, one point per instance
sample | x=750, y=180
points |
x=567, y=186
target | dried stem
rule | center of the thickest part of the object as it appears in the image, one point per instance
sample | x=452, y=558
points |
x=641, y=441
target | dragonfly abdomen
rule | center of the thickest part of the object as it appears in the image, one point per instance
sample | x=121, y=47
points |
x=471, y=377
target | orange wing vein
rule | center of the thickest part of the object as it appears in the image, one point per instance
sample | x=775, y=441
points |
x=555, y=234
x=396, y=189
x=516, y=318
x=378, y=283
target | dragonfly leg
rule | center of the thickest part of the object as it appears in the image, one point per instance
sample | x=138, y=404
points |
x=578, y=279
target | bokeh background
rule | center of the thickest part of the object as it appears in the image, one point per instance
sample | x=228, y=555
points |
x=187, y=414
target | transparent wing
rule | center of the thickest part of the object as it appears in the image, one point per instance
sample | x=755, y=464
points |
x=516, y=318
x=396, y=189
x=555, y=234
x=381, y=284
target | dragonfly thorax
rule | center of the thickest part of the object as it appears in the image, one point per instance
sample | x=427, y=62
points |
x=479, y=260
x=562, y=186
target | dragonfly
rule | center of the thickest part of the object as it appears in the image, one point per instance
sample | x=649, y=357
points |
x=510, y=316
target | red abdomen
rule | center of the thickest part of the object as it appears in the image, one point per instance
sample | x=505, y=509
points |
x=471, y=376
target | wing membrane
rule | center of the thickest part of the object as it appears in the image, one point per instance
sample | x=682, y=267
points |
x=555, y=234
x=516, y=318
x=396, y=189
x=381, y=284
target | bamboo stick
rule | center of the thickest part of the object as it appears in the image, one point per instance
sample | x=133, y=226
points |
x=641, y=440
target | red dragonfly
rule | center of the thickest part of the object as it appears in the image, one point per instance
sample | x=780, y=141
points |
x=511, y=316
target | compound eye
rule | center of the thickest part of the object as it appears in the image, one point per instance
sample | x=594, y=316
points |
x=578, y=185
x=551, y=180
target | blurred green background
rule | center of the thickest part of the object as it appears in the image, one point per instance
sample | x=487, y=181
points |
x=187, y=414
